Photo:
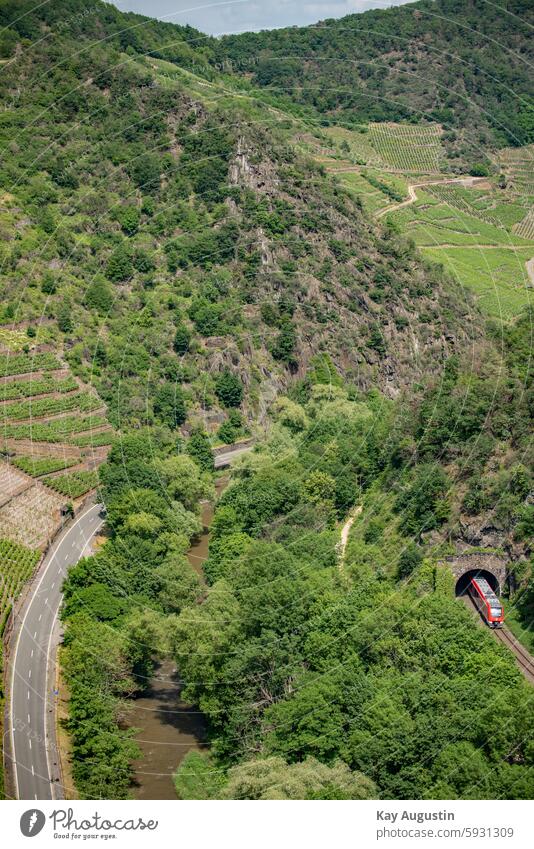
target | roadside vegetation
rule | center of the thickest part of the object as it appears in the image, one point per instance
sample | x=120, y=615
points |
x=193, y=256
x=364, y=670
x=117, y=602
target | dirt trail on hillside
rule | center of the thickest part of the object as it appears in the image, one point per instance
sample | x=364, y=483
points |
x=345, y=531
x=468, y=182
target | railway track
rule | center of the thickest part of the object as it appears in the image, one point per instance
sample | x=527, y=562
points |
x=523, y=659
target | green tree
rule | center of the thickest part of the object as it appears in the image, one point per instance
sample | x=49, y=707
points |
x=119, y=266
x=229, y=388
x=273, y=778
x=64, y=316
x=320, y=487
x=410, y=558
x=99, y=296
x=48, y=283
x=184, y=481
x=198, y=777
x=199, y=448
x=129, y=218
x=179, y=585
x=145, y=171
x=182, y=339
x=169, y=405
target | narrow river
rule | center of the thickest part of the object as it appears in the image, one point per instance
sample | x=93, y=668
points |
x=170, y=728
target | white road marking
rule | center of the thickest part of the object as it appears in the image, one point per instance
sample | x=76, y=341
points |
x=30, y=742
x=33, y=773
x=45, y=700
x=31, y=653
x=53, y=585
x=28, y=694
x=21, y=631
x=28, y=719
x=30, y=674
x=35, y=636
x=40, y=617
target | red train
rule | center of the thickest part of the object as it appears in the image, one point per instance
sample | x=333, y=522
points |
x=486, y=602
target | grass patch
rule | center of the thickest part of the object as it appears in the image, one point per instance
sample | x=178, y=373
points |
x=518, y=621
x=497, y=277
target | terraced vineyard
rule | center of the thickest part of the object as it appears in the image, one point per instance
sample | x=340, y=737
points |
x=483, y=203
x=17, y=564
x=31, y=518
x=54, y=431
x=15, y=389
x=94, y=440
x=11, y=482
x=376, y=190
x=50, y=406
x=42, y=413
x=517, y=164
x=410, y=148
x=26, y=363
x=477, y=240
x=525, y=228
x=432, y=221
x=481, y=230
x=38, y=466
x=74, y=485
x=406, y=148
x=498, y=277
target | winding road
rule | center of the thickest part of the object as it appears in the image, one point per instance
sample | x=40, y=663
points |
x=468, y=182
x=31, y=720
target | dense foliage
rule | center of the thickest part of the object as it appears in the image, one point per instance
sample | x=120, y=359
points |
x=190, y=262
x=185, y=255
x=294, y=656
x=462, y=64
x=116, y=601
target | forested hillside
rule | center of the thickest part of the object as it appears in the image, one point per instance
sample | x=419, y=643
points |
x=466, y=65
x=168, y=221
x=178, y=243
x=366, y=664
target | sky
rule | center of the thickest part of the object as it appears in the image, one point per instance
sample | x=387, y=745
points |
x=224, y=16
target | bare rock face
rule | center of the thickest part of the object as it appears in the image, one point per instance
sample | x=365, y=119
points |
x=370, y=305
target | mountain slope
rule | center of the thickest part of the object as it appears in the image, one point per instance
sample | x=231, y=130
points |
x=195, y=264
x=175, y=237
x=466, y=65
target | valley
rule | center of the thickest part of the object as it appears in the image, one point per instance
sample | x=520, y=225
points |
x=304, y=257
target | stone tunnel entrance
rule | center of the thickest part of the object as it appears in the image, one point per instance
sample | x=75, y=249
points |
x=465, y=579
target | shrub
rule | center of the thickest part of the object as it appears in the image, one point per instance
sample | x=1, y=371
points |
x=169, y=405
x=229, y=389
x=182, y=338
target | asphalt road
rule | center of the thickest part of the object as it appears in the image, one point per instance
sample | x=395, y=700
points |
x=225, y=459
x=32, y=708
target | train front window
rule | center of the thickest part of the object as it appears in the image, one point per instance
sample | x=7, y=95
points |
x=496, y=611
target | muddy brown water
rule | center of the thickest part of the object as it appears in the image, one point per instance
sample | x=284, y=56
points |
x=168, y=727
